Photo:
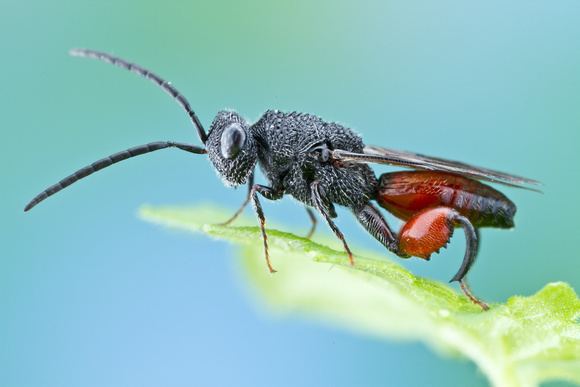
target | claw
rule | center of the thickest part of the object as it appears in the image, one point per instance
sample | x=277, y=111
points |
x=467, y=291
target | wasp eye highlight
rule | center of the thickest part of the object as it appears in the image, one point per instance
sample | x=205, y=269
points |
x=232, y=141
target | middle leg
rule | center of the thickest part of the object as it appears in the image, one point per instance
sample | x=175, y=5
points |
x=323, y=209
x=312, y=222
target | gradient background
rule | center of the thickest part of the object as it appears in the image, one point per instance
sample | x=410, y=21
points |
x=92, y=296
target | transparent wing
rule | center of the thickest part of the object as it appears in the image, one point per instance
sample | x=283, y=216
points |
x=380, y=155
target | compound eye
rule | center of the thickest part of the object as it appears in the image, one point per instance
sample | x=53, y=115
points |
x=232, y=142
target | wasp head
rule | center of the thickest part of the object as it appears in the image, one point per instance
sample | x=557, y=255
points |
x=231, y=148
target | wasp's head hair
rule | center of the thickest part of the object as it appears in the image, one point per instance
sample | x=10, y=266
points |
x=231, y=148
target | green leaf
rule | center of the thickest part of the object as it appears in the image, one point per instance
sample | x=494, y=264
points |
x=523, y=342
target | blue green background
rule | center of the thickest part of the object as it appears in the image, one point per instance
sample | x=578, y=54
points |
x=92, y=296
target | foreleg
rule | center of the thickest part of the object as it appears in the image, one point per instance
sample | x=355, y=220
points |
x=270, y=194
x=244, y=204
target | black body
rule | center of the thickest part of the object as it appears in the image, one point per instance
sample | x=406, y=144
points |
x=290, y=149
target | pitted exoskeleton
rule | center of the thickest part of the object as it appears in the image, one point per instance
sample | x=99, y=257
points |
x=324, y=164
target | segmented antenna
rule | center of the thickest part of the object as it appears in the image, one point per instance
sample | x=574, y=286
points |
x=107, y=161
x=165, y=85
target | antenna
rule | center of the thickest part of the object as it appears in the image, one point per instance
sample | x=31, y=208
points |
x=165, y=85
x=108, y=161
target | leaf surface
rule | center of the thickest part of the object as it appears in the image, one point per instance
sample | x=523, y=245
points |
x=522, y=342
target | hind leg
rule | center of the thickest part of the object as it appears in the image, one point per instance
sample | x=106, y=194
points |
x=424, y=234
x=372, y=220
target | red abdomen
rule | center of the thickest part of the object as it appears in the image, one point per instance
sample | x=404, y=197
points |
x=406, y=193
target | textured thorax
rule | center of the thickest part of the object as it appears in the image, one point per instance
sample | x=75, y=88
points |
x=285, y=156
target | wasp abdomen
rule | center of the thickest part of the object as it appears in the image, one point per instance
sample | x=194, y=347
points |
x=406, y=193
